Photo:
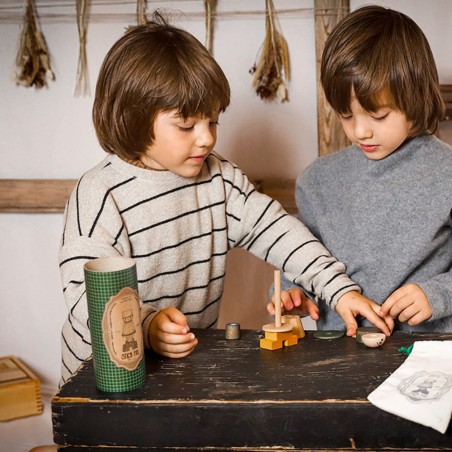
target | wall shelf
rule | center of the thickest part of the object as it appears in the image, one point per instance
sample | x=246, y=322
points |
x=50, y=195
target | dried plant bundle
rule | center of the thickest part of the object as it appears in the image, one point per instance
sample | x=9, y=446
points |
x=141, y=12
x=82, y=81
x=32, y=59
x=272, y=67
x=210, y=7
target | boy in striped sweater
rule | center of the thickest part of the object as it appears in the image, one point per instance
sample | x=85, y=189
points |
x=164, y=197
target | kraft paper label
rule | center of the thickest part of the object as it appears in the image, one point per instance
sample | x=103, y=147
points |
x=121, y=329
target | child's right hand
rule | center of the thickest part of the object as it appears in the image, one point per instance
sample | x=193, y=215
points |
x=353, y=304
x=169, y=334
x=295, y=298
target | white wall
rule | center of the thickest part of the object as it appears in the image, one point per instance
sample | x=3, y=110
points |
x=48, y=134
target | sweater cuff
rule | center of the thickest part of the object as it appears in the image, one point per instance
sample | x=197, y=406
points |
x=334, y=299
x=147, y=316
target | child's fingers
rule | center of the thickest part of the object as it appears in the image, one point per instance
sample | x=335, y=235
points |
x=350, y=324
x=177, y=323
x=394, y=305
x=176, y=316
x=175, y=350
x=312, y=309
x=271, y=308
x=178, y=344
x=286, y=300
x=385, y=324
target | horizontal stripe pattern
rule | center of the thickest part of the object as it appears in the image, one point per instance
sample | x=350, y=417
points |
x=179, y=231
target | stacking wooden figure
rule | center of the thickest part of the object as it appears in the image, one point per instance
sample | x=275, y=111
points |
x=286, y=330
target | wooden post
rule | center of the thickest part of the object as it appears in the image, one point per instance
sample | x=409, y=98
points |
x=330, y=134
x=277, y=276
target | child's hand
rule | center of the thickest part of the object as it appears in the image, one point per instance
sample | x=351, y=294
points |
x=295, y=298
x=353, y=303
x=169, y=334
x=408, y=304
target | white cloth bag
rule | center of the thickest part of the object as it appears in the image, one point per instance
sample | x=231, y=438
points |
x=420, y=390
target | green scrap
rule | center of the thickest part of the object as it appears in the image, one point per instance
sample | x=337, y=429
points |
x=406, y=350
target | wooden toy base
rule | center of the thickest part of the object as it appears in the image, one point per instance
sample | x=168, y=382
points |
x=275, y=340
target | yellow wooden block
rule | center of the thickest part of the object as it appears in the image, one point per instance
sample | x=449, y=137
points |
x=275, y=340
x=278, y=335
x=270, y=344
x=293, y=340
x=20, y=391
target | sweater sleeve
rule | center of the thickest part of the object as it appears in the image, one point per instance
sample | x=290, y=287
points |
x=439, y=293
x=306, y=214
x=260, y=225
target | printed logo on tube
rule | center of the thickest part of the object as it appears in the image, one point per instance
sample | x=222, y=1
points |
x=121, y=329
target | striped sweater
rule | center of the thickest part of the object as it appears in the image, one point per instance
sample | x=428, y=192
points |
x=179, y=230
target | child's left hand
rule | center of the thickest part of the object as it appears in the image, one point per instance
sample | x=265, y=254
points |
x=408, y=304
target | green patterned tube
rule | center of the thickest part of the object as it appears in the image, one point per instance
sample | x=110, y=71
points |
x=115, y=323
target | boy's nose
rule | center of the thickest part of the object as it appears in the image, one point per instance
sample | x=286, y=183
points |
x=206, y=138
x=362, y=130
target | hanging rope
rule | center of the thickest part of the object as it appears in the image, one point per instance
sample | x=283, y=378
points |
x=273, y=63
x=82, y=81
x=32, y=60
x=210, y=7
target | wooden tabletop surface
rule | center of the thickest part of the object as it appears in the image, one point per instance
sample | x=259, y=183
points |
x=232, y=393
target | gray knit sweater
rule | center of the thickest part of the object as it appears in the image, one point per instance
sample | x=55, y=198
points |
x=178, y=231
x=389, y=221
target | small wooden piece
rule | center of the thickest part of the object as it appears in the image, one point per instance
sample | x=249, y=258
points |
x=277, y=326
x=362, y=330
x=278, y=334
x=373, y=340
x=297, y=326
x=232, y=331
x=20, y=392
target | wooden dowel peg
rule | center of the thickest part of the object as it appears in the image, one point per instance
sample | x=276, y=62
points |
x=277, y=277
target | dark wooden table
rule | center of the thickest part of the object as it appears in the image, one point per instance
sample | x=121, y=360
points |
x=233, y=395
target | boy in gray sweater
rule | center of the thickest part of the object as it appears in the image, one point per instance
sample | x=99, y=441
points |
x=383, y=205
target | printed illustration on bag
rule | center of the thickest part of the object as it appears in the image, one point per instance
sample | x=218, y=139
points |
x=121, y=329
x=425, y=386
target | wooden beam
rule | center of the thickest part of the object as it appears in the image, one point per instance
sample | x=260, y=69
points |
x=283, y=190
x=50, y=195
x=35, y=195
x=446, y=93
x=330, y=134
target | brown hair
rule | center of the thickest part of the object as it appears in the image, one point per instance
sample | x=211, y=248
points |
x=153, y=68
x=378, y=53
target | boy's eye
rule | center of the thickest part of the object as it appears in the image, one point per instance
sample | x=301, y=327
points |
x=345, y=117
x=186, y=129
x=379, y=118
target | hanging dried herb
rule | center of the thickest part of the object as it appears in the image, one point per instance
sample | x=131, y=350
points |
x=32, y=60
x=82, y=81
x=210, y=7
x=272, y=67
x=141, y=12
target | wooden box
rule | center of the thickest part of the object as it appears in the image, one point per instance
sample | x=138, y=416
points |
x=20, y=391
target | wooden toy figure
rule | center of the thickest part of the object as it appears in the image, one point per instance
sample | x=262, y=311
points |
x=278, y=334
